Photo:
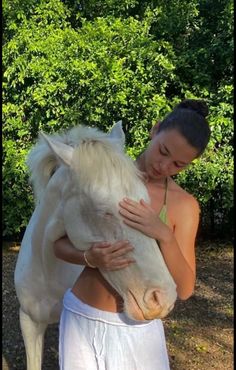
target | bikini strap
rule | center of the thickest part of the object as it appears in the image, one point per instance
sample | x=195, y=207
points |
x=166, y=188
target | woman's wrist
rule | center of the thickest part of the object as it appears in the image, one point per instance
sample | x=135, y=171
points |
x=87, y=262
x=166, y=237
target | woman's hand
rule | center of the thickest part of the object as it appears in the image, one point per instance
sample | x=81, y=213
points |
x=109, y=256
x=141, y=216
x=104, y=255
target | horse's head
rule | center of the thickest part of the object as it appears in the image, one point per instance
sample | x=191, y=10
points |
x=99, y=175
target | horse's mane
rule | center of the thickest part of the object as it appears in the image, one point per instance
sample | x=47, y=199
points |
x=94, y=160
x=102, y=163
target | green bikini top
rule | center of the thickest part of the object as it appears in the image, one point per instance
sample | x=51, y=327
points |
x=163, y=211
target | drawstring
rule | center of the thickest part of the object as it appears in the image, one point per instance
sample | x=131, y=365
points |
x=99, y=353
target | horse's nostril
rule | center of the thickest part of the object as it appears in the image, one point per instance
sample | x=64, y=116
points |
x=155, y=296
x=152, y=298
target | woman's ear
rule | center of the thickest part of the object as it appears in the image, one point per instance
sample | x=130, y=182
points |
x=154, y=130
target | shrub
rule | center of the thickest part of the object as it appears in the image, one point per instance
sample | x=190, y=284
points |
x=56, y=77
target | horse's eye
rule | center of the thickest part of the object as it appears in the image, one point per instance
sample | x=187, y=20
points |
x=53, y=171
x=108, y=215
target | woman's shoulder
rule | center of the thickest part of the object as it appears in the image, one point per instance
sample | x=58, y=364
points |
x=182, y=199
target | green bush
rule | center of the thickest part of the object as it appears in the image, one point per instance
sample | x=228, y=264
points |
x=56, y=77
x=63, y=64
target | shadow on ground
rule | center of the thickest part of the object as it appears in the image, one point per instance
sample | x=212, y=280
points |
x=198, y=331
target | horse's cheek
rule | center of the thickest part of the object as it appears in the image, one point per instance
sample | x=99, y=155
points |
x=71, y=214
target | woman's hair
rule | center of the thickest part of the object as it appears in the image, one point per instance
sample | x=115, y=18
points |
x=188, y=118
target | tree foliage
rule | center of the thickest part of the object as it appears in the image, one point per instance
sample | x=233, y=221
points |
x=95, y=62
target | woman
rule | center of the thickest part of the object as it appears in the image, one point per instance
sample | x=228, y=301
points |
x=94, y=333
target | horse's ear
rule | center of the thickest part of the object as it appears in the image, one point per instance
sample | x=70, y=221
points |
x=63, y=151
x=117, y=132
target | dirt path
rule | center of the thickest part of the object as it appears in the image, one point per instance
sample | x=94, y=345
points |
x=199, y=331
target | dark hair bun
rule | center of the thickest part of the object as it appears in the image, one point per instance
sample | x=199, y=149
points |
x=198, y=106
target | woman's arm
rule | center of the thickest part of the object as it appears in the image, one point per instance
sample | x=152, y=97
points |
x=177, y=247
x=101, y=255
x=64, y=249
x=183, y=242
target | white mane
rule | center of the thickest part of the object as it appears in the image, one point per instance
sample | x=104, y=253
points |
x=42, y=161
x=96, y=159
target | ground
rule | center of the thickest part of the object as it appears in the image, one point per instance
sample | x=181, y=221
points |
x=199, y=331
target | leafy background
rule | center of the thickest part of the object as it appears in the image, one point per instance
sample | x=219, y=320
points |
x=95, y=62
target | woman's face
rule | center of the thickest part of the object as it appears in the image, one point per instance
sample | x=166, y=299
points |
x=167, y=154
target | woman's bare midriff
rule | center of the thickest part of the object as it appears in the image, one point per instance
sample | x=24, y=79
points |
x=94, y=290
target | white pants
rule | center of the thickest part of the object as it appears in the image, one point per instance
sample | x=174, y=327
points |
x=91, y=339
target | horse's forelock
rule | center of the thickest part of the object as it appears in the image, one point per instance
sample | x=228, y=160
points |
x=102, y=163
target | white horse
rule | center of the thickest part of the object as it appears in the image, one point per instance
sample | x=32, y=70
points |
x=79, y=178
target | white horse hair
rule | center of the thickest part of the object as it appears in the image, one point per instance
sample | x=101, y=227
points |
x=79, y=178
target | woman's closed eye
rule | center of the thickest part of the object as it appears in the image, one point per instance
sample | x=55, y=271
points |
x=179, y=165
x=163, y=152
